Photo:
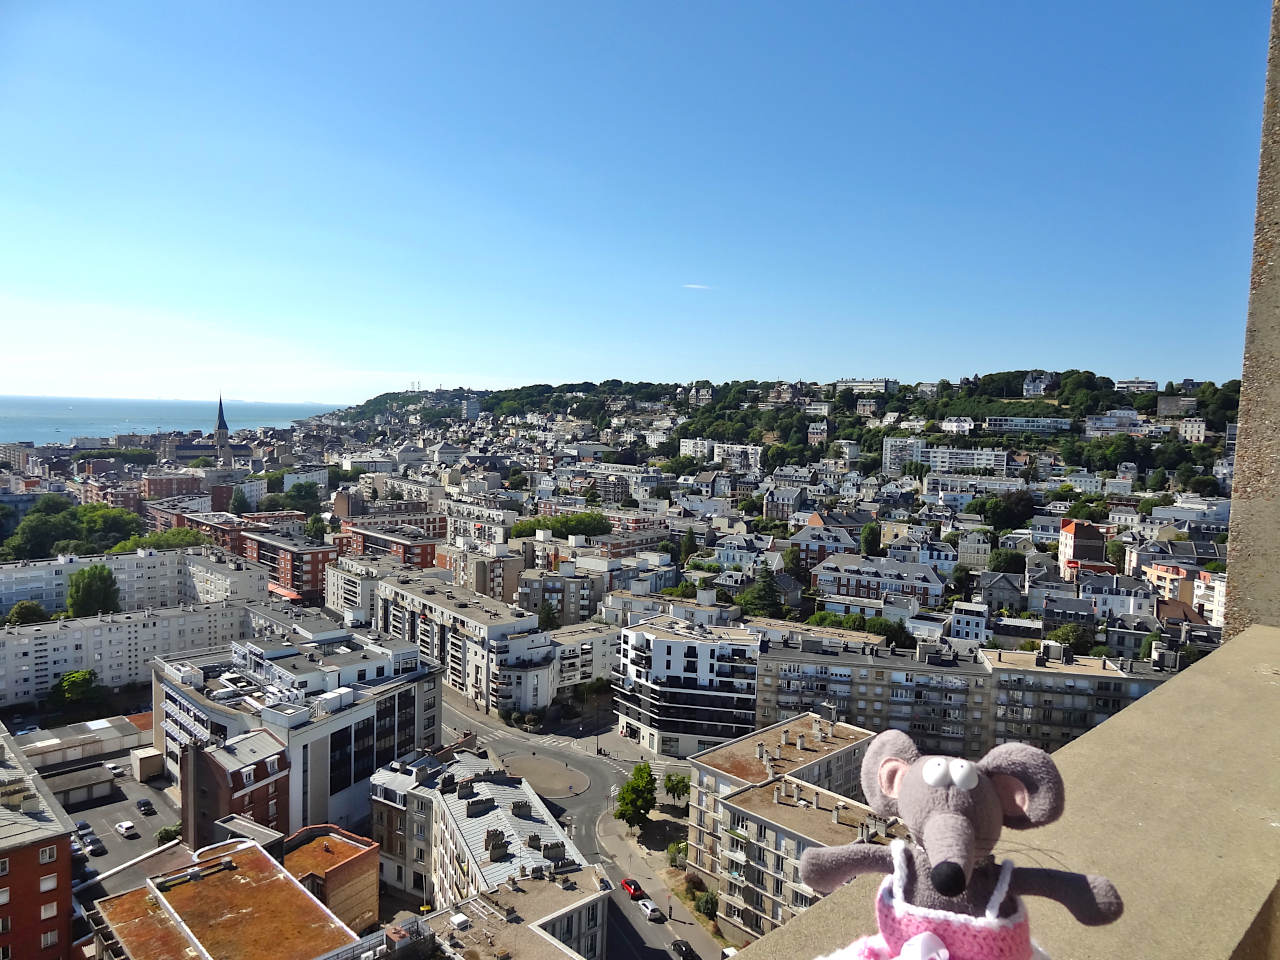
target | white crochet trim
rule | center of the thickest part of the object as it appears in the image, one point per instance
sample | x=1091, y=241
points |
x=896, y=885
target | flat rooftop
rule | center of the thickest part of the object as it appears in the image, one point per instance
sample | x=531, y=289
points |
x=459, y=600
x=802, y=816
x=245, y=906
x=321, y=854
x=491, y=938
x=44, y=818
x=673, y=628
x=738, y=758
x=1101, y=667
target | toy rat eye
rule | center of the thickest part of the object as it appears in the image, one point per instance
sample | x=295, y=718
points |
x=936, y=773
x=963, y=774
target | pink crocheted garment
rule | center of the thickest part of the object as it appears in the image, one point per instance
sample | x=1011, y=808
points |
x=989, y=937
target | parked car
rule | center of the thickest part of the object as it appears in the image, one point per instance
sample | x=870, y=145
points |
x=82, y=827
x=683, y=950
x=86, y=874
x=114, y=769
x=632, y=889
x=650, y=910
x=146, y=807
x=77, y=851
x=95, y=846
x=125, y=828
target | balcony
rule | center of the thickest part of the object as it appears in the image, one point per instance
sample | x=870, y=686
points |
x=1172, y=797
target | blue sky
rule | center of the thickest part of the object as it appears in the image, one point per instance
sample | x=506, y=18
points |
x=324, y=201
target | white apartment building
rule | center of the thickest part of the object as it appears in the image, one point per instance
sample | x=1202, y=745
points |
x=867, y=385
x=342, y=707
x=960, y=426
x=1112, y=422
x=1116, y=595
x=969, y=625
x=146, y=578
x=680, y=688
x=1137, y=385
x=626, y=607
x=477, y=522
x=1192, y=429
x=700, y=448
x=1209, y=597
x=119, y=647
x=896, y=452
x=351, y=585
x=1027, y=424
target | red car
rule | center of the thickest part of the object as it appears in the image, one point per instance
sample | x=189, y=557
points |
x=633, y=889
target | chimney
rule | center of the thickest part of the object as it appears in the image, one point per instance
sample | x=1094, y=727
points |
x=817, y=725
x=777, y=794
x=835, y=814
x=817, y=799
x=759, y=749
x=786, y=737
x=800, y=741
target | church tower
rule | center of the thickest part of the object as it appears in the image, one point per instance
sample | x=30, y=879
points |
x=220, y=437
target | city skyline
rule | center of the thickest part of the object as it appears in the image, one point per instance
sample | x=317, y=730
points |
x=726, y=192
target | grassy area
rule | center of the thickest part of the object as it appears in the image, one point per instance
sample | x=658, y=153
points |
x=673, y=877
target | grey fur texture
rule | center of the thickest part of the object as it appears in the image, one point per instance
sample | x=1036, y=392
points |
x=955, y=829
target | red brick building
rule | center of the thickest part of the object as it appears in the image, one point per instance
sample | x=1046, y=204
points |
x=405, y=544
x=340, y=869
x=226, y=530
x=35, y=863
x=157, y=486
x=295, y=566
x=247, y=775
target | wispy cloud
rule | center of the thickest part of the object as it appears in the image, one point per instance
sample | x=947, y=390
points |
x=695, y=286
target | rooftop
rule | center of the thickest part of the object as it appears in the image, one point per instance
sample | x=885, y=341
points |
x=322, y=853
x=490, y=937
x=238, y=905
x=673, y=628
x=811, y=815
x=739, y=758
x=28, y=811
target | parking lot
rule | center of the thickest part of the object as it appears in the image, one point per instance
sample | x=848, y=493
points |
x=103, y=815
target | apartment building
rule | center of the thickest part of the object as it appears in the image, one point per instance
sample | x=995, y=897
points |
x=1137, y=385
x=425, y=520
x=477, y=521
x=816, y=543
x=853, y=575
x=161, y=484
x=896, y=452
x=573, y=596
x=295, y=566
x=748, y=828
x=626, y=607
x=1027, y=424
x=246, y=775
x=342, y=706
x=405, y=545
x=35, y=862
x=224, y=530
x=454, y=828
x=489, y=569
x=1082, y=548
x=970, y=624
x=680, y=688
x=459, y=628
x=1111, y=423
x=1209, y=596
x=161, y=515
x=338, y=868
x=351, y=585
x=867, y=385
x=1113, y=595
x=118, y=647
x=146, y=578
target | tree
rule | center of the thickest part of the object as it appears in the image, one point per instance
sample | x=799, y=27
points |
x=791, y=562
x=316, y=527
x=92, y=591
x=870, y=540
x=1215, y=566
x=762, y=598
x=26, y=611
x=637, y=796
x=1100, y=650
x=171, y=539
x=708, y=904
x=203, y=462
x=1079, y=639
x=239, y=502
x=1007, y=561
x=1157, y=480
x=77, y=685
x=669, y=548
x=688, y=545
x=960, y=576
x=629, y=503
x=168, y=834
x=1115, y=553
x=548, y=618
x=676, y=786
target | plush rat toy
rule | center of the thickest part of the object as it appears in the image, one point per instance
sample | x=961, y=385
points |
x=946, y=897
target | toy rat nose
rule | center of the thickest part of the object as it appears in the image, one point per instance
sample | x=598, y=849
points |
x=948, y=879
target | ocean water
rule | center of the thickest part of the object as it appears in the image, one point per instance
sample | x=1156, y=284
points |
x=58, y=419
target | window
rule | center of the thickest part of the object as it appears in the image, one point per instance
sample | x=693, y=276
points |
x=4, y=924
x=49, y=939
x=4, y=867
x=47, y=854
x=4, y=953
x=48, y=882
x=48, y=911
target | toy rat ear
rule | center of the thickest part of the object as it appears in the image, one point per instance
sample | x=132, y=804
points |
x=888, y=758
x=1028, y=783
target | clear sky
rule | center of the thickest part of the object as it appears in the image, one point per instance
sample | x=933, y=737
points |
x=321, y=201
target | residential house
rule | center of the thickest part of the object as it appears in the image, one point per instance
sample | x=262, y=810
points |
x=1002, y=591
x=853, y=575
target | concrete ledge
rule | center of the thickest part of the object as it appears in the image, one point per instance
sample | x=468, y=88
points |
x=1176, y=799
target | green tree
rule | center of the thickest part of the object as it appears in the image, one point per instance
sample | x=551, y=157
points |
x=637, y=796
x=1157, y=480
x=1007, y=561
x=316, y=527
x=762, y=598
x=707, y=904
x=870, y=540
x=203, y=462
x=1115, y=553
x=239, y=502
x=92, y=591
x=171, y=539
x=1079, y=639
x=960, y=576
x=1100, y=650
x=676, y=853
x=688, y=545
x=26, y=611
x=168, y=834
x=49, y=504
x=548, y=618
x=1215, y=566
x=676, y=786
x=791, y=562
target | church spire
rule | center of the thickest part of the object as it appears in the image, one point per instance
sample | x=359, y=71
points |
x=222, y=419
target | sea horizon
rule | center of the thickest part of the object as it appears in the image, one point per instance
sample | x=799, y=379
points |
x=46, y=420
